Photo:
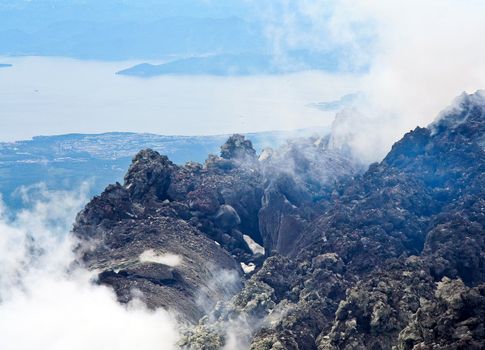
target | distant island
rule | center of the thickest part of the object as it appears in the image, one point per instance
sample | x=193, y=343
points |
x=222, y=65
x=5, y=65
x=243, y=64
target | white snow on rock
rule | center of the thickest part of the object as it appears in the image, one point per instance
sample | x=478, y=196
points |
x=248, y=268
x=255, y=247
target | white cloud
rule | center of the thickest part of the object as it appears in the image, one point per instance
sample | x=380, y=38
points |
x=46, y=304
x=428, y=53
x=61, y=313
x=421, y=54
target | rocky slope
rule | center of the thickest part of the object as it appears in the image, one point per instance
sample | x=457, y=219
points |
x=389, y=258
x=214, y=218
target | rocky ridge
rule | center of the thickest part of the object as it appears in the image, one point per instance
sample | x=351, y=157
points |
x=389, y=258
x=215, y=217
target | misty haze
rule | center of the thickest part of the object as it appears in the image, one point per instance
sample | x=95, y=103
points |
x=263, y=175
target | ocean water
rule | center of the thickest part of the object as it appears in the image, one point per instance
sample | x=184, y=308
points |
x=46, y=96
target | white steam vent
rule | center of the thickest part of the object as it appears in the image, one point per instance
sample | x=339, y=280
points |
x=255, y=247
x=169, y=259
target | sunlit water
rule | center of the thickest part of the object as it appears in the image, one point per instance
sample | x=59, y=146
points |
x=40, y=95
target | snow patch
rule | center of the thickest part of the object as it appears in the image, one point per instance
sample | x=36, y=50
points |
x=248, y=268
x=255, y=247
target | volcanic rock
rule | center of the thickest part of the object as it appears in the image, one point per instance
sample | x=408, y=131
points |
x=392, y=257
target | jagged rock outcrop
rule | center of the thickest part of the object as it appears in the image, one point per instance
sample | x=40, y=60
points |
x=376, y=309
x=453, y=319
x=391, y=258
x=300, y=178
x=424, y=199
x=208, y=216
x=149, y=176
x=368, y=267
x=238, y=148
x=162, y=260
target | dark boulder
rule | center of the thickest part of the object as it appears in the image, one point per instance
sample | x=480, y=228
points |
x=149, y=176
x=238, y=148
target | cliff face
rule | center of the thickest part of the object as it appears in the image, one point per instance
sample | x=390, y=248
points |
x=392, y=257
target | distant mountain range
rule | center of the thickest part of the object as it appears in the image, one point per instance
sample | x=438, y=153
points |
x=65, y=161
x=125, y=40
x=30, y=16
x=5, y=65
x=189, y=36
